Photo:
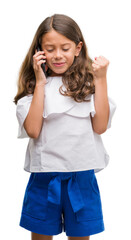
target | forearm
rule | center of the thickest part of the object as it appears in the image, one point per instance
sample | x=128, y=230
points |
x=100, y=120
x=34, y=119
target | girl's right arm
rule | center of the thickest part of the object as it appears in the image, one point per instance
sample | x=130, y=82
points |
x=34, y=120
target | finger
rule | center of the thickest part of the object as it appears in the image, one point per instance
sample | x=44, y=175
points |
x=37, y=53
x=40, y=62
x=95, y=65
x=102, y=57
x=40, y=57
x=96, y=61
x=104, y=60
x=100, y=61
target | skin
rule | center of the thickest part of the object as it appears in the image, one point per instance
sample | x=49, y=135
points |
x=56, y=49
x=100, y=120
x=59, y=49
x=53, y=46
x=35, y=236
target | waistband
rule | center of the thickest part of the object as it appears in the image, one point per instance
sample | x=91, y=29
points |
x=54, y=189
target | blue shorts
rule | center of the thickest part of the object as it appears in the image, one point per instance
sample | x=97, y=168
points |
x=62, y=201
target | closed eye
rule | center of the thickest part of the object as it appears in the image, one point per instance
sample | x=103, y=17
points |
x=65, y=49
x=49, y=50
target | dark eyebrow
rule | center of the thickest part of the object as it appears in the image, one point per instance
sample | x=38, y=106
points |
x=51, y=45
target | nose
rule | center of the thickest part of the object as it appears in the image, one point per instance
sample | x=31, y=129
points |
x=58, y=54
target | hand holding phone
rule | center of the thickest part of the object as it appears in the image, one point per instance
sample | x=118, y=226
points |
x=40, y=72
x=43, y=64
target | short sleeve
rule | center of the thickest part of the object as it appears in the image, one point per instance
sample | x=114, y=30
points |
x=92, y=103
x=112, y=106
x=22, y=110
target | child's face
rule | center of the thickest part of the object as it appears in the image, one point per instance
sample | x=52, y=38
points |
x=59, y=51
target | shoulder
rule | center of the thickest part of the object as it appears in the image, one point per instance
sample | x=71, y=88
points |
x=25, y=99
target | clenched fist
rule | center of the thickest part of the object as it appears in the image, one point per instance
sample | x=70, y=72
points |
x=100, y=65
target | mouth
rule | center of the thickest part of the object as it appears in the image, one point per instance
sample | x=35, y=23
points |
x=59, y=64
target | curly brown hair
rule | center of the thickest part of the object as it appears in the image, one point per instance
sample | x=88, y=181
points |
x=78, y=79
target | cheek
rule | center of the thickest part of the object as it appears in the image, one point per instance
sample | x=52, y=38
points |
x=70, y=58
x=48, y=57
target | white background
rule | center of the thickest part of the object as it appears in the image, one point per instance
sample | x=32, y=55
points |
x=106, y=29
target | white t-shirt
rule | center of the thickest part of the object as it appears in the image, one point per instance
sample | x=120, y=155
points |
x=67, y=142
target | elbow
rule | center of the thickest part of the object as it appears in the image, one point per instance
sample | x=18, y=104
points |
x=100, y=130
x=99, y=127
x=33, y=134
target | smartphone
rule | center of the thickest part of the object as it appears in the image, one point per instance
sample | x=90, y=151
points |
x=43, y=64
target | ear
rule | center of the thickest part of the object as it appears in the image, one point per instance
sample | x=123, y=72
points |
x=78, y=49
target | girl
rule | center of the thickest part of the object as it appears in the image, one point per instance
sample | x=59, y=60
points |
x=63, y=110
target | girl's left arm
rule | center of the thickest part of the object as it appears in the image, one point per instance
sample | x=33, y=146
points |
x=100, y=119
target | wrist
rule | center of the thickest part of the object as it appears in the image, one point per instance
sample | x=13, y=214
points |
x=100, y=80
x=38, y=84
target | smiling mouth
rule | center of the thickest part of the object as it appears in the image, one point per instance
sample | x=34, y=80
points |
x=58, y=64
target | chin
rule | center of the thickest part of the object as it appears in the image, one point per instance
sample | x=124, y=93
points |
x=57, y=73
